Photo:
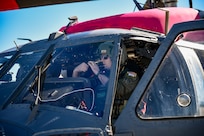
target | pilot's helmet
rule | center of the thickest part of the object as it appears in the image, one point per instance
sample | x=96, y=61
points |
x=106, y=48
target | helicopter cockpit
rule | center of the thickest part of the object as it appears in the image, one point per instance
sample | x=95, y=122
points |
x=47, y=77
x=61, y=89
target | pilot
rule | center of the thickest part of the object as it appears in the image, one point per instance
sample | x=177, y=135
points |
x=100, y=76
x=127, y=80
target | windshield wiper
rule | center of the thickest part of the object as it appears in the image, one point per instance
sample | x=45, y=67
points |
x=8, y=64
x=1, y=66
x=37, y=81
x=44, y=64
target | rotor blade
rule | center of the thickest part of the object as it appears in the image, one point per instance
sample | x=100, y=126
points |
x=18, y=4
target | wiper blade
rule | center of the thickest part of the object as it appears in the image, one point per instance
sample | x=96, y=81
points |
x=39, y=85
x=37, y=79
x=1, y=66
x=8, y=64
x=44, y=64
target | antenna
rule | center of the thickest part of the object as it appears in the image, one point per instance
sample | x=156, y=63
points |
x=17, y=48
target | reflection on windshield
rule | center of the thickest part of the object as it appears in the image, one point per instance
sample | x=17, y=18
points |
x=194, y=60
x=18, y=70
x=180, y=74
x=77, y=78
x=194, y=36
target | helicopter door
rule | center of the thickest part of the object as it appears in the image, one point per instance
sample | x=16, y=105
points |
x=169, y=98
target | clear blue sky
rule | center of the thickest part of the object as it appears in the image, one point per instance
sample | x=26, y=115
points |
x=38, y=23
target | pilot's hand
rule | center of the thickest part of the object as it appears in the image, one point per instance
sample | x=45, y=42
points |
x=94, y=67
x=83, y=67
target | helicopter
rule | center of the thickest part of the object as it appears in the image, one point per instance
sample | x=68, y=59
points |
x=40, y=95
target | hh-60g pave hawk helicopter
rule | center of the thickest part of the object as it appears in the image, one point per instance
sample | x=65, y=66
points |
x=40, y=93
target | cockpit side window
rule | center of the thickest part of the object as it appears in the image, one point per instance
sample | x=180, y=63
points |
x=135, y=57
x=176, y=90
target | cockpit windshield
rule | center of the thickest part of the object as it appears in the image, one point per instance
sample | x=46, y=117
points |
x=20, y=67
x=77, y=78
x=16, y=71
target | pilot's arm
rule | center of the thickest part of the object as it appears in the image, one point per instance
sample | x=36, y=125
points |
x=103, y=78
x=83, y=67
